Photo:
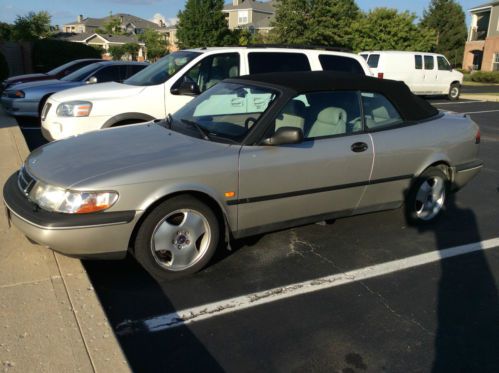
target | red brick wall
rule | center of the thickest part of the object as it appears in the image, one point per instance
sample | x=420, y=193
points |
x=489, y=47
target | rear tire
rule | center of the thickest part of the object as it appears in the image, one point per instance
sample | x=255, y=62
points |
x=454, y=92
x=427, y=196
x=178, y=238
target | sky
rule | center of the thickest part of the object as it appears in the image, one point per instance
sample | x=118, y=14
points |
x=65, y=11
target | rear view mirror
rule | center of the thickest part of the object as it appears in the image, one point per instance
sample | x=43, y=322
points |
x=285, y=136
x=92, y=80
x=186, y=88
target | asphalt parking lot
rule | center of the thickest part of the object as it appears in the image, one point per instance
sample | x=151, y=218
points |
x=363, y=294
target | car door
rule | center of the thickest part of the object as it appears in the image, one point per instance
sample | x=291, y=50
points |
x=323, y=176
x=444, y=74
x=204, y=75
x=400, y=150
x=416, y=77
x=430, y=74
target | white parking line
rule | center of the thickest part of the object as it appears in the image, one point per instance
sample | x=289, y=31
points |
x=458, y=103
x=482, y=112
x=208, y=311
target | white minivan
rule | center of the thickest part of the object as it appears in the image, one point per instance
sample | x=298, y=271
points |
x=424, y=73
x=170, y=83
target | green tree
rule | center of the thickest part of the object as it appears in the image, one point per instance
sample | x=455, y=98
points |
x=387, y=29
x=315, y=22
x=32, y=26
x=117, y=52
x=202, y=24
x=111, y=27
x=5, y=31
x=132, y=49
x=447, y=18
x=156, y=44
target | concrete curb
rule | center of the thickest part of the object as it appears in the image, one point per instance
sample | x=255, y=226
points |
x=51, y=316
x=479, y=97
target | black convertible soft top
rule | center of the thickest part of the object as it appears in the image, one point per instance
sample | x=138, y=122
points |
x=410, y=106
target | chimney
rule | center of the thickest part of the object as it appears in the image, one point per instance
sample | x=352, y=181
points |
x=79, y=18
x=235, y=2
x=121, y=19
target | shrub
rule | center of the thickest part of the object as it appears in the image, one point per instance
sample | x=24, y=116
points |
x=4, y=68
x=49, y=53
x=485, y=77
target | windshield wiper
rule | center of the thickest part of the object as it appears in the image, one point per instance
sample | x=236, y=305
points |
x=204, y=133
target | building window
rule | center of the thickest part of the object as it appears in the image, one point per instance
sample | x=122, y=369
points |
x=495, y=63
x=242, y=17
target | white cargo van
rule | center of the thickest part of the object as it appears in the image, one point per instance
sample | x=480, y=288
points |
x=424, y=73
x=170, y=83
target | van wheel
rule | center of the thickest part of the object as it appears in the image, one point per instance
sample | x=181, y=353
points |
x=427, y=196
x=454, y=92
x=178, y=238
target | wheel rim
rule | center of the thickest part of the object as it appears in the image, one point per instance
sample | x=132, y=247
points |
x=180, y=239
x=454, y=92
x=430, y=198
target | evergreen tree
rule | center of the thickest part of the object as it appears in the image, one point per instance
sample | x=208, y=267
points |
x=387, y=29
x=202, y=24
x=314, y=22
x=32, y=26
x=447, y=18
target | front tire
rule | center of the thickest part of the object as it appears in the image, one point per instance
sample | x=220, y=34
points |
x=178, y=238
x=454, y=92
x=427, y=196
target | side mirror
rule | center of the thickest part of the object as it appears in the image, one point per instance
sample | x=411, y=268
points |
x=92, y=80
x=186, y=88
x=285, y=136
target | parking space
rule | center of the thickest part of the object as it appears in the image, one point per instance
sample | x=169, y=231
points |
x=442, y=314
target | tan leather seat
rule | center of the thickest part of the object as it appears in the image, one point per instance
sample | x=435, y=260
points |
x=330, y=121
x=293, y=115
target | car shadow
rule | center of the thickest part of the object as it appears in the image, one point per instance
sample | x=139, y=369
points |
x=467, y=334
x=129, y=294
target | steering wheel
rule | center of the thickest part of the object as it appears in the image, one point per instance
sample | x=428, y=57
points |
x=248, y=121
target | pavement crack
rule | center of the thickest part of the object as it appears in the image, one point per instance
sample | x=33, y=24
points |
x=385, y=304
x=295, y=243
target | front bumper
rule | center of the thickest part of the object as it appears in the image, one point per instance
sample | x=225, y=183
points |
x=464, y=173
x=103, y=235
x=20, y=107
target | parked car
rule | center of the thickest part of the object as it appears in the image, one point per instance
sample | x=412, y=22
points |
x=170, y=83
x=28, y=99
x=248, y=156
x=57, y=73
x=425, y=73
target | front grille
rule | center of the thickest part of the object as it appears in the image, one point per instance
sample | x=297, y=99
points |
x=25, y=181
x=45, y=110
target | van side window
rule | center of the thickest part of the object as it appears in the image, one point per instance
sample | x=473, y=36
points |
x=373, y=61
x=429, y=63
x=364, y=56
x=418, y=60
x=342, y=64
x=269, y=62
x=443, y=64
x=379, y=113
x=213, y=69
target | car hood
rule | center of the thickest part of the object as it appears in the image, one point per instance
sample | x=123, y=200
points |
x=95, y=158
x=26, y=77
x=97, y=91
x=47, y=85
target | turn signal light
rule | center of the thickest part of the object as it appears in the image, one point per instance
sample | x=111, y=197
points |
x=477, y=137
x=229, y=194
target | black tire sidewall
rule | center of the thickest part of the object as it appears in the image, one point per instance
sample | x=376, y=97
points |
x=410, y=204
x=142, y=248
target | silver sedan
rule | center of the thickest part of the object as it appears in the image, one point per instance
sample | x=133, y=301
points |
x=248, y=156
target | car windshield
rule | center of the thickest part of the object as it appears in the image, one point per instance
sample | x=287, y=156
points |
x=162, y=70
x=82, y=73
x=224, y=113
x=61, y=68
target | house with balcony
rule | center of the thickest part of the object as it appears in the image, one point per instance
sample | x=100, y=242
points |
x=253, y=15
x=482, y=48
x=129, y=24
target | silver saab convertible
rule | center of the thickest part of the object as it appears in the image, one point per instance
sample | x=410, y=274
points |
x=250, y=155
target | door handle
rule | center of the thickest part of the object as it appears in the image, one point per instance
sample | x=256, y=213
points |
x=359, y=147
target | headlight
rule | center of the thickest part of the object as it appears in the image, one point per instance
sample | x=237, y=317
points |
x=74, y=109
x=16, y=94
x=71, y=202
